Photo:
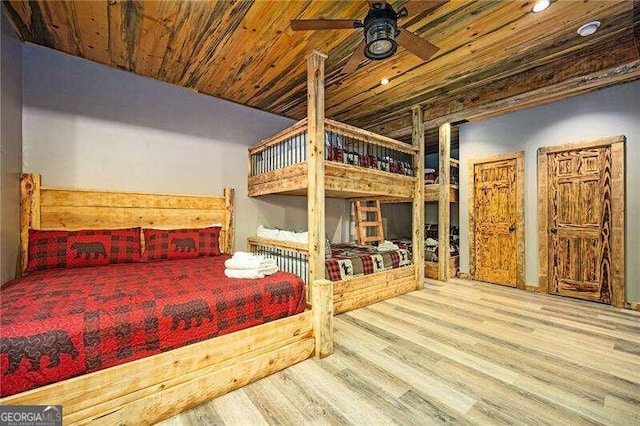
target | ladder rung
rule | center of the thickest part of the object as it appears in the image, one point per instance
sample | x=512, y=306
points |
x=370, y=224
x=376, y=238
x=368, y=209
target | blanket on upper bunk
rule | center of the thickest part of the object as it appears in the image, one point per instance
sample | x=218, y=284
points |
x=62, y=323
x=350, y=260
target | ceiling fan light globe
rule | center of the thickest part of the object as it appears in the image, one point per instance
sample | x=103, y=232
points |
x=379, y=36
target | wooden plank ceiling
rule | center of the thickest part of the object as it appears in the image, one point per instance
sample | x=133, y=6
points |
x=495, y=56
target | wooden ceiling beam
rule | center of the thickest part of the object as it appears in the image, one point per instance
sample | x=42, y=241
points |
x=636, y=24
x=555, y=92
x=609, y=63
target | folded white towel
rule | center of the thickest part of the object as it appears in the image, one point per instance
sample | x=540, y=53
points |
x=249, y=263
x=269, y=270
x=243, y=273
x=241, y=263
x=244, y=255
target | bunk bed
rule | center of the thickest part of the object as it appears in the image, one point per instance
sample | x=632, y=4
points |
x=228, y=353
x=322, y=158
x=443, y=185
x=432, y=188
x=437, y=187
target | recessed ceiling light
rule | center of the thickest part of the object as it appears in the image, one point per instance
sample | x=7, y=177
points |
x=384, y=81
x=540, y=6
x=589, y=28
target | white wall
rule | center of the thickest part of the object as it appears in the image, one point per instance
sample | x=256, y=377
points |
x=10, y=148
x=607, y=112
x=91, y=126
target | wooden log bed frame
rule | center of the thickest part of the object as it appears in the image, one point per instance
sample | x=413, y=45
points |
x=153, y=388
x=434, y=193
x=306, y=172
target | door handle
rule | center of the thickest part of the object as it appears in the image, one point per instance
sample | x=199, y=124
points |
x=512, y=227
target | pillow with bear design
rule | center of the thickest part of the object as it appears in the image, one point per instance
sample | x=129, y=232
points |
x=75, y=249
x=170, y=244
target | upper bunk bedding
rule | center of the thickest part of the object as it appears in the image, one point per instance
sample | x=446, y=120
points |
x=356, y=163
x=62, y=323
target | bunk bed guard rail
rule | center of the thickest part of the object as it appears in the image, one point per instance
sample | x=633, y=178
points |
x=343, y=144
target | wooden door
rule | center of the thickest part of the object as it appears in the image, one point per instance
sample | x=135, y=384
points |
x=580, y=223
x=496, y=219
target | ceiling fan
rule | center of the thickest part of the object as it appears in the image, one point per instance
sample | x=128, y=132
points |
x=382, y=35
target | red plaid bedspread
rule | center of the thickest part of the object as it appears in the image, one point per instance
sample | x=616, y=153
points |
x=62, y=323
x=350, y=260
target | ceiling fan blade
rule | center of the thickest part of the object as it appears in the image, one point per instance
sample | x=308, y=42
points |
x=324, y=24
x=416, y=7
x=419, y=47
x=356, y=57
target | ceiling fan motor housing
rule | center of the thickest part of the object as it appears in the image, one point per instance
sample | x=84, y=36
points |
x=380, y=30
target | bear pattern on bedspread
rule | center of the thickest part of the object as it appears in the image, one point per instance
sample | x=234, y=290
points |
x=351, y=260
x=62, y=323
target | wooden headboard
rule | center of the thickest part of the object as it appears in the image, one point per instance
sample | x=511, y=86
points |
x=73, y=209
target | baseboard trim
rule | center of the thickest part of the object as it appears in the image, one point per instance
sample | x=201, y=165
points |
x=532, y=288
x=634, y=306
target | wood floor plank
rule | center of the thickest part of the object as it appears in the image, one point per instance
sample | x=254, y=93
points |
x=236, y=408
x=543, y=324
x=523, y=347
x=532, y=356
x=459, y=352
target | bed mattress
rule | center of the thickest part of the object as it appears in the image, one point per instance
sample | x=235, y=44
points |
x=351, y=260
x=62, y=323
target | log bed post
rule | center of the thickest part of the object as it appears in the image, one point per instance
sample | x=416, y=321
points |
x=30, y=213
x=418, y=197
x=229, y=241
x=322, y=296
x=315, y=161
x=444, y=206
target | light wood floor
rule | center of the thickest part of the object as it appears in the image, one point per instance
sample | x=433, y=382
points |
x=460, y=352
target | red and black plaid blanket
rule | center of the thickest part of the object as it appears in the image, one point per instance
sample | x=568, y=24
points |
x=62, y=323
x=350, y=260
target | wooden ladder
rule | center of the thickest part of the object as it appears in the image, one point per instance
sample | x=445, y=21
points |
x=368, y=216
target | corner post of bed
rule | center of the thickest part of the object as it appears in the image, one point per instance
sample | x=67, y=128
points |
x=322, y=307
x=315, y=163
x=29, y=213
x=229, y=203
x=444, y=200
x=418, y=196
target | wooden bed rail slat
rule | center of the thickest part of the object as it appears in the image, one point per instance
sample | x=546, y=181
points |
x=285, y=245
x=97, y=198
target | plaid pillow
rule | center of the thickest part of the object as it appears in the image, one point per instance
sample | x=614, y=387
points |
x=76, y=249
x=210, y=241
x=170, y=244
